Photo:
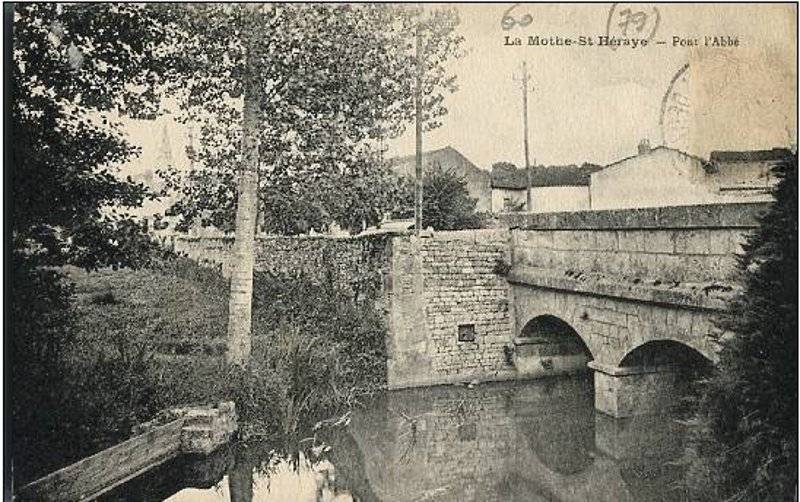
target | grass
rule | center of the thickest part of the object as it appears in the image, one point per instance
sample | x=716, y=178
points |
x=315, y=351
x=177, y=300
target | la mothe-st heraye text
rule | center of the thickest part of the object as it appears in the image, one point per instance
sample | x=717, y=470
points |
x=611, y=41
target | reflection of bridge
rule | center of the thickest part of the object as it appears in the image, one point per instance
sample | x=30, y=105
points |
x=532, y=441
x=633, y=293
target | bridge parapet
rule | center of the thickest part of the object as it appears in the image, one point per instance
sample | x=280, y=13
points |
x=742, y=215
x=683, y=255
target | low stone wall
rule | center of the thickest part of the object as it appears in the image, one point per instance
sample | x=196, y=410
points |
x=433, y=290
x=742, y=215
x=287, y=255
x=344, y=260
x=450, y=308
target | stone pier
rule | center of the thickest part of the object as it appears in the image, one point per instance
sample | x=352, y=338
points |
x=628, y=391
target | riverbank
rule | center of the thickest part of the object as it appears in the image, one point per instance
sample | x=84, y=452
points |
x=316, y=351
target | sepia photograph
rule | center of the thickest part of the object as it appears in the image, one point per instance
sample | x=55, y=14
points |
x=412, y=252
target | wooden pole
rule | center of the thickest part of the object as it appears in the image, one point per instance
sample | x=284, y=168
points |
x=525, y=78
x=418, y=110
x=241, y=297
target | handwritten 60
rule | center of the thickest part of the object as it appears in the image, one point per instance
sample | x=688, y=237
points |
x=508, y=21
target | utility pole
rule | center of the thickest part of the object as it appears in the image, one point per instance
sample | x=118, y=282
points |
x=525, y=80
x=418, y=113
x=241, y=297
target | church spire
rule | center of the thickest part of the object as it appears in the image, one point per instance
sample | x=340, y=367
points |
x=164, y=155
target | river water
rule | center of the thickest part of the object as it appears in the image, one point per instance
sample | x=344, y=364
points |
x=509, y=441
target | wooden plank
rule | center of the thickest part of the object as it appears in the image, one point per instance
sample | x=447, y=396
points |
x=95, y=475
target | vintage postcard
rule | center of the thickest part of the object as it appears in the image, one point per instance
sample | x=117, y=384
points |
x=400, y=252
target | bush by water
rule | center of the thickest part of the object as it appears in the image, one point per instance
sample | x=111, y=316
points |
x=96, y=359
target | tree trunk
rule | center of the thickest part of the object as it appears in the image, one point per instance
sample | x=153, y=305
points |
x=240, y=481
x=241, y=297
x=418, y=186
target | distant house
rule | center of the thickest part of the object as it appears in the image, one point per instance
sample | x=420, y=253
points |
x=553, y=188
x=664, y=176
x=746, y=174
x=478, y=180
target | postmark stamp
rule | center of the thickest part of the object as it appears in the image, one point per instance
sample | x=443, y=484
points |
x=675, y=117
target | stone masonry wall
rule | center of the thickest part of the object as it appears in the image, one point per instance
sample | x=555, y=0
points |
x=447, y=286
x=345, y=259
x=454, y=300
x=688, y=245
x=280, y=254
x=624, y=278
x=428, y=286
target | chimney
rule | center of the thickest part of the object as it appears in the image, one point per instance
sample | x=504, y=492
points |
x=644, y=146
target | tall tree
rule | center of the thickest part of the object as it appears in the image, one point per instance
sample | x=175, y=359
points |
x=307, y=90
x=241, y=297
x=335, y=81
x=745, y=443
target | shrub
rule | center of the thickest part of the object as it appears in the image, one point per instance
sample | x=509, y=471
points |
x=446, y=203
x=744, y=444
x=39, y=320
x=318, y=347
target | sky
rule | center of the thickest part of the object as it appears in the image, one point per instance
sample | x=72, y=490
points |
x=595, y=104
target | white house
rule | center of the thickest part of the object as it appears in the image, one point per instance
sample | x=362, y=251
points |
x=553, y=188
x=664, y=176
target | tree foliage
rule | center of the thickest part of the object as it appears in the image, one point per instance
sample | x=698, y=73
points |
x=745, y=443
x=336, y=80
x=446, y=203
x=75, y=68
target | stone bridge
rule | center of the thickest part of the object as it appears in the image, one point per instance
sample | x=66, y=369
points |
x=630, y=294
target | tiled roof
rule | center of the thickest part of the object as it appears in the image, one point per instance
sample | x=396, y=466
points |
x=543, y=176
x=750, y=156
x=447, y=157
x=701, y=160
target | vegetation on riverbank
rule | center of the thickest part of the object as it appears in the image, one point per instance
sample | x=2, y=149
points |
x=744, y=444
x=316, y=351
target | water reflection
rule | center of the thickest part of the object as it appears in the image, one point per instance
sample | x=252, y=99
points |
x=539, y=440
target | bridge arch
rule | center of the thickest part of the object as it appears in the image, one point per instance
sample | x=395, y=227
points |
x=667, y=352
x=548, y=345
x=552, y=329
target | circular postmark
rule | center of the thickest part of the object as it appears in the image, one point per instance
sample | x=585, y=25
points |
x=675, y=118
